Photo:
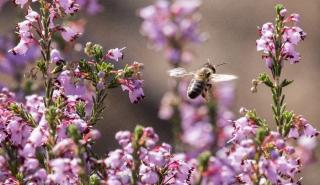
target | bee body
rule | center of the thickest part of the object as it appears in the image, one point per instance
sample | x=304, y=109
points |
x=200, y=81
x=195, y=88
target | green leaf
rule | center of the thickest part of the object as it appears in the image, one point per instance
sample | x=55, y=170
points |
x=73, y=132
x=278, y=8
x=203, y=160
x=94, y=180
x=286, y=82
x=262, y=132
x=81, y=109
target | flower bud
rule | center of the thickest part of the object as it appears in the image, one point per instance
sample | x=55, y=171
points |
x=254, y=89
x=243, y=110
x=73, y=132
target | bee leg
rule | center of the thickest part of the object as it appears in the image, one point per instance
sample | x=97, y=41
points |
x=208, y=92
x=204, y=94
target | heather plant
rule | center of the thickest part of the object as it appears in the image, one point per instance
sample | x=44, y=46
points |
x=14, y=66
x=48, y=137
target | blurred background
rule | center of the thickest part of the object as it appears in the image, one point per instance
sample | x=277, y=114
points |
x=232, y=27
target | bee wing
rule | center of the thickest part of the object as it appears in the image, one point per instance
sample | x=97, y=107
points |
x=222, y=77
x=179, y=72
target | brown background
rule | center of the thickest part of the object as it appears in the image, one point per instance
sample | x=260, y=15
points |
x=231, y=25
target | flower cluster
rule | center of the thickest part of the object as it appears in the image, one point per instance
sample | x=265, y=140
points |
x=283, y=35
x=46, y=145
x=170, y=25
x=260, y=156
x=43, y=25
x=29, y=129
x=102, y=74
x=143, y=161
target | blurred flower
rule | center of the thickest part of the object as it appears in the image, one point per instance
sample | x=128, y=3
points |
x=90, y=6
x=68, y=34
x=14, y=65
x=2, y=3
x=170, y=25
x=64, y=171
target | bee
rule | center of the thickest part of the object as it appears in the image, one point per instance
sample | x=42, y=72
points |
x=202, y=80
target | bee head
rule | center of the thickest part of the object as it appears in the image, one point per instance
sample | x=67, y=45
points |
x=210, y=66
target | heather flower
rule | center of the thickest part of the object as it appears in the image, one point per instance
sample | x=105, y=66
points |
x=32, y=16
x=301, y=127
x=243, y=128
x=69, y=6
x=64, y=171
x=68, y=34
x=134, y=89
x=20, y=2
x=148, y=175
x=306, y=149
x=289, y=37
x=55, y=56
x=13, y=64
x=90, y=6
x=166, y=109
x=115, y=54
x=31, y=28
x=155, y=160
x=199, y=136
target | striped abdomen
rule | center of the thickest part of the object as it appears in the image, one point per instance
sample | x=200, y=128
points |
x=195, y=88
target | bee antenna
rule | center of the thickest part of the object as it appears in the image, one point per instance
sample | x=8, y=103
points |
x=221, y=64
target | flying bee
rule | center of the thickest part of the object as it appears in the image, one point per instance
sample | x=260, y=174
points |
x=202, y=80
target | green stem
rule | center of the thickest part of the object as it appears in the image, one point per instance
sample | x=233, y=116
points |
x=98, y=106
x=257, y=159
x=136, y=144
x=136, y=166
x=176, y=119
x=278, y=106
x=45, y=44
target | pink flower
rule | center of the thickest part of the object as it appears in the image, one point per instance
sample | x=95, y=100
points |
x=134, y=88
x=148, y=175
x=64, y=171
x=293, y=35
x=20, y=2
x=21, y=48
x=243, y=128
x=290, y=37
x=55, y=56
x=200, y=135
x=167, y=21
x=32, y=15
x=301, y=127
x=68, y=34
x=295, y=18
x=115, y=54
x=283, y=12
x=69, y=6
